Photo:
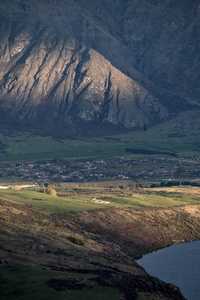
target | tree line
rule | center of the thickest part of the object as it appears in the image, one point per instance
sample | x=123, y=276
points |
x=175, y=183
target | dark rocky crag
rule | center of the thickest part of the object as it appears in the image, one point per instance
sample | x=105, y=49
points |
x=80, y=67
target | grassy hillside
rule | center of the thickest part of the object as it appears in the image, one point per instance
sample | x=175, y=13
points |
x=30, y=283
x=41, y=234
x=180, y=136
x=81, y=199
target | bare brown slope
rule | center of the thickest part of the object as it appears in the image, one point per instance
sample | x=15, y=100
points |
x=140, y=230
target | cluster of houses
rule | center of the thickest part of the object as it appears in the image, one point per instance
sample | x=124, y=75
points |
x=60, y=170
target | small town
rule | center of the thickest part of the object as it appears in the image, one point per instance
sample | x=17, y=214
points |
x=123, y=168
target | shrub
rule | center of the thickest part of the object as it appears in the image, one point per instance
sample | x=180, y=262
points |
x=76, y=240
x=51, y=192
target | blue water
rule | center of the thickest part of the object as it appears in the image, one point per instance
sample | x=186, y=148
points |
x=178, y=264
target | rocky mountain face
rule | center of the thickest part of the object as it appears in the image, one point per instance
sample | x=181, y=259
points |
x=84, y=66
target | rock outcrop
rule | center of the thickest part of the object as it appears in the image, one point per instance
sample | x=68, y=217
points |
x=80, y=67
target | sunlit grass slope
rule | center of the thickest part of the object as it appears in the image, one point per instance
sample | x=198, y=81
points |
x=78, y=202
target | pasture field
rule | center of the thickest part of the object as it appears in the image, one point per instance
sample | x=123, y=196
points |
x=52, y=204
x=81, y=199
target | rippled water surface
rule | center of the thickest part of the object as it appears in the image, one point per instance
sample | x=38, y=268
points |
x=178, y=264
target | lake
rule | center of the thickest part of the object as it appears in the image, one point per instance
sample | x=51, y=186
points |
x=178, y=264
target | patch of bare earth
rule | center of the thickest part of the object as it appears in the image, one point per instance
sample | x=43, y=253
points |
x=182, y=190
x=140, y=230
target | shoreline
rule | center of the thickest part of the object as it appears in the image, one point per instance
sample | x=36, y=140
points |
x=147, y=263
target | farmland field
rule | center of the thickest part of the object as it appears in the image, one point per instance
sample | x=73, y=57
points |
x=80, y=199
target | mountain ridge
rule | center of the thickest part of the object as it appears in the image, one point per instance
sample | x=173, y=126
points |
x=65, y=68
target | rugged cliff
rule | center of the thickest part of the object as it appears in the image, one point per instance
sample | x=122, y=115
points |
x=86, y=66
